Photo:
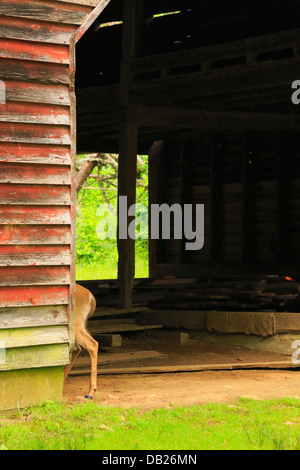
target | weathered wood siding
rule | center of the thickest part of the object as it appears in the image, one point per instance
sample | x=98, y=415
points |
x=37, y=149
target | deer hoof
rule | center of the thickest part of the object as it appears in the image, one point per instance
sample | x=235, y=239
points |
x=88, y=397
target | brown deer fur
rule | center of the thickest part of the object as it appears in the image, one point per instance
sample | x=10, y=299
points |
x=85, y=305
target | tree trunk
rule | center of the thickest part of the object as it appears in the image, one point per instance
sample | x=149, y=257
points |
x=84, y=173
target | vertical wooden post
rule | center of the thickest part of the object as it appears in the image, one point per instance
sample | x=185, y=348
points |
x=127, y=187
x=247, y=202
x=283, y=223
x=128, y=143
x=133, y=16
x=155, y=170
x=215, y=195
x=184, y=193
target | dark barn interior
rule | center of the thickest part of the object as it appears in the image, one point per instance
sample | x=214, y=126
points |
x=204, y=88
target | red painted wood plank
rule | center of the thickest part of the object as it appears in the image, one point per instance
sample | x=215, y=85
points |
x=37, y=93
x=14, y=28
x=34, y=195
x=45, y=10
x=19, y=153
x=34, y=113
x=34, y=174
x=22, y=215
x=24, y=296
x=91, y=3
x=32, y=235
x=25, y=50
x=24, y=276
x=15, y=69
x=15, y=255
x=34, y=134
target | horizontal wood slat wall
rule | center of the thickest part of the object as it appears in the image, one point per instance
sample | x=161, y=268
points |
x=23, y=317
x=37, y=143
x=36, y=275
x=30, y=235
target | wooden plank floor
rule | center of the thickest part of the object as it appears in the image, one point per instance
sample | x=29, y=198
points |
x=120, y=328
x=185, y=368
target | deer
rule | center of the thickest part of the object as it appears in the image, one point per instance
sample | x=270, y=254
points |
x=85, y=305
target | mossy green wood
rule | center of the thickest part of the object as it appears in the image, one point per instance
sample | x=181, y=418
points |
x=35, y=356
x=29, y=387
x=18, y=337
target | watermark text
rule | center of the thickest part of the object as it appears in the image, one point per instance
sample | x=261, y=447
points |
x=296, y=94
x=178, y=222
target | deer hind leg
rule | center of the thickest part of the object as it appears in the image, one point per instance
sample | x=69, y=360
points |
x=85, y=340
x=75, y=354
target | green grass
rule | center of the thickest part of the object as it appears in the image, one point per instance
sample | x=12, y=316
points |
x=108, y=269
x=246, y=424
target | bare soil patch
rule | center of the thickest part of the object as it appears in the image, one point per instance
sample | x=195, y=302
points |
x=148, y=391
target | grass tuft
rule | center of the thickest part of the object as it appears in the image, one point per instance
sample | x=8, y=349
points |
x=242, y=425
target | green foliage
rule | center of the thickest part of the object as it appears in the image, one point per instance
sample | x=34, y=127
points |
x=91, y=250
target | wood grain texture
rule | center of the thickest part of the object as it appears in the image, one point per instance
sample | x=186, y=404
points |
x=90, y=3
x=41, y=52
x=14, y=173
x=41, y=295
x=14, y=69
x=73, y=153
x=34, y=195
x=36, y=356
x=34, y=336
x=22, y=215
x=26, y=92
x=22, y=153
x=50, y=11
x=34, y=134
x=16, y=255
x=35, y=275
x=39, y=31
x=34, y=235
x=23, y=317
x=34, y=113
x=37, y=197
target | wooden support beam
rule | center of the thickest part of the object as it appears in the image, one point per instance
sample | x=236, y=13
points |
x=185, y=193
x=215, y=202
x=179, y=118
x=131, y=43
x=187, y=368
x=283, y=219
x=249, y=47
x=127, y=187
x=152, y=119
x=155, y=175
x=223, y=81
x=128, y=147
x=247, y=199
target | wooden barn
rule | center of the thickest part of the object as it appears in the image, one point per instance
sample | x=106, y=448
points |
x=37, y=212
x=204, y=87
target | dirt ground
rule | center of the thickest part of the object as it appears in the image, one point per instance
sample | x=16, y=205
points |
x=154, y=390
